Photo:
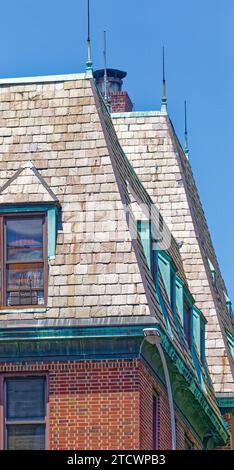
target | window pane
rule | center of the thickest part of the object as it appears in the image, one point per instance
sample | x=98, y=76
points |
x=24, y=238
x=187, y=323
x=25, y=284
x=26, y=437
x=25, y=398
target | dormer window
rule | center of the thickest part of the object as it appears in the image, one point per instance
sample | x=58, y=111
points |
x=213, y=272
x=228, y=303
x=23, y=260
x=187, y=322
x=149, y=245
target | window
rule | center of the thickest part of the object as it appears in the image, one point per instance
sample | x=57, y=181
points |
x=187, y=322
x=24, y=413
x=230, y=339
x=199, y=327
x=165, y=270
x=23, y=260
x=203, y=342
x=154, y=260
x=149, y=245
x=228, y=303
x=173, y=291
x=155, y=420
x=213, y=272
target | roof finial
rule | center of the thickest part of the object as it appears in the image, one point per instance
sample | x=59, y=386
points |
x=89, y=64
x=105, y=70
x=164, y=98
x=186, y=149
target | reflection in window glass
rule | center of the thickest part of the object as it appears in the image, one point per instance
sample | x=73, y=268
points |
x=24, y=239
x=23, y=264
x=25, y=413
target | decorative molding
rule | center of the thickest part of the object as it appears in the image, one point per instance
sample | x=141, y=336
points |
x=103, y=343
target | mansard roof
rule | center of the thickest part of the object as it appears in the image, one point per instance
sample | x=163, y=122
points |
x=100, y=270
x=150, y=142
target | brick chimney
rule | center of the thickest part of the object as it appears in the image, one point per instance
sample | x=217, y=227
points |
x=119, y=100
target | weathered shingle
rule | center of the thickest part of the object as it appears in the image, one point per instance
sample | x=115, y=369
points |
x=151, y=145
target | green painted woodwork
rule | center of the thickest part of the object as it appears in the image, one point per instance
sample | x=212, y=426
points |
x=144, y=229
x=117, y=342
x=165, y=268
x=203, y=342
x=180, y=299
x=52, y=231
x=52, y=214
x=226, y=404
x=197, y=329
x=228, y=303
x=198, y=370
x=160, y=298
x=165, y=314
x=229, y=307
x=213, y=272
x=230, y=339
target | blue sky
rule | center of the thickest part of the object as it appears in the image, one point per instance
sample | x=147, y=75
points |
x=48, y=37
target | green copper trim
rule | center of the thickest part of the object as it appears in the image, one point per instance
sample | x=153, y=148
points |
x=71, y=332
x=230, y=339
x=194, y=388
x=226, y=404
x=161, y=300
x=180, y=298
x=52, y=231
x=144, y=229
x=102, y=343
x=52, y=210
x=228, y=303
x=165, y=268
x=213, y=272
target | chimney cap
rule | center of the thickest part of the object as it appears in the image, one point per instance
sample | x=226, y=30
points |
x=110, y=73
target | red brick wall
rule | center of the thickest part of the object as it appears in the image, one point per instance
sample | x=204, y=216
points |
x=92, y=405
x=147, y=387
x=229, y=418
x=102, y=404
x=120, y=102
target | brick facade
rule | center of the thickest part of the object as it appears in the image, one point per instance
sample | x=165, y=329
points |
x=230, y=423
x=120, y=102
x=59, y=147
x=101, y=405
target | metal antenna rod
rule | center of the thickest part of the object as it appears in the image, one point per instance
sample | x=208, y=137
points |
x=89, y=64
x=186, y=149
x=105, y=70
x=164, y=81
x=164, y=98
x=88, y=38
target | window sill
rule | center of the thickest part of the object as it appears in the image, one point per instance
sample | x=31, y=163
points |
x=24, y=310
